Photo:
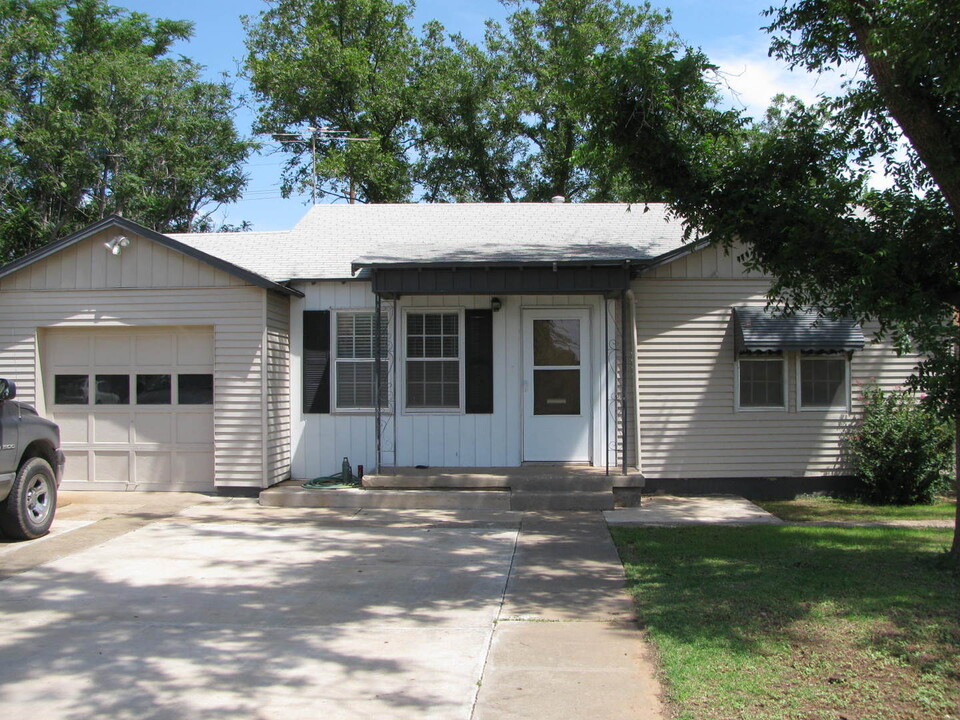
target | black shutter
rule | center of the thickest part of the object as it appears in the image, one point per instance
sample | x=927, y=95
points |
x=316, y=361
x=478, y=356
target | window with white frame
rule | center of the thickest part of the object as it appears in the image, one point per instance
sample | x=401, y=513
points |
x=354, y=361
x=433, y=360
x=761, y=382
x=823, y=381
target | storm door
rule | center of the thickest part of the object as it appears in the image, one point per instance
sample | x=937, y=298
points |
x=556, y=385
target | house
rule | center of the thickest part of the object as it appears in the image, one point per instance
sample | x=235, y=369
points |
x=507, y=335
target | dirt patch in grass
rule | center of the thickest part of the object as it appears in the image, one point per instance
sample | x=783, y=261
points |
x=812, y=508
x=763, y=623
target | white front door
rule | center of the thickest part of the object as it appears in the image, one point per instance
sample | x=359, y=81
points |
x=556, y=385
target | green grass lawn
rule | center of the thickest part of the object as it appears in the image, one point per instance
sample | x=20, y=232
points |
x=810, y=508
x=770, y=622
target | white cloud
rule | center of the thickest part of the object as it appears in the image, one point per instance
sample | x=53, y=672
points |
x=753, y=79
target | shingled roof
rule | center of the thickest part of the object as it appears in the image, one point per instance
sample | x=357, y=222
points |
x=331, y=239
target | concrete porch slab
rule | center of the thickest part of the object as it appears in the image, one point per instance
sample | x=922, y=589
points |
x=717, y=510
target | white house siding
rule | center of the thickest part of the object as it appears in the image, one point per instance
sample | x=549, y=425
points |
x=689, y=426
x=321, y=441
x=147, y=285
x=277, y=395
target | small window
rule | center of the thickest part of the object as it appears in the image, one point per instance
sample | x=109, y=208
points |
x=433, y=360
x=112, y=390
x=823, y=381
x=195, y=389
x=153, y=389
x=70, y=389
x=761, y=382
x=356, y=342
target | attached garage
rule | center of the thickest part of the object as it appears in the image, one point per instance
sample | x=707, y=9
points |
x=135, y=406
x=166, y=368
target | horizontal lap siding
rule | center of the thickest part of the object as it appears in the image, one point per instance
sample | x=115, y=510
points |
x=87, y=286
x=278, y=388
x=685, y=359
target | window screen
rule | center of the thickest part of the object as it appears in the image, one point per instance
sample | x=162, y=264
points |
x=761, y=382
x=823, y=381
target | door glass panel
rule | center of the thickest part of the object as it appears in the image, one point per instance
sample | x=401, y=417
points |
x=556, y=392
x=556, y=342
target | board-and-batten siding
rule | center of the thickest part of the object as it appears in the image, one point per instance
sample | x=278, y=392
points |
x=685, y=356
x=277, y=395
x=321, y=441
x=148, y=285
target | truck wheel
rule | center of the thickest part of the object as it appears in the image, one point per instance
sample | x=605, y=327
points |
x=28, y=510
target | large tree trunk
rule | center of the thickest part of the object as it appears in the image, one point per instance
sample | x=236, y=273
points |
x=917, y=111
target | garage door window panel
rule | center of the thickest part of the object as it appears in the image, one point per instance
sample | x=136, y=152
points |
x=71, y=389
x=112, y=390
x=195, y=389
x=153, y=389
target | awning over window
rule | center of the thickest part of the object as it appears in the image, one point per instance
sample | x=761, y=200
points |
x=760, y=331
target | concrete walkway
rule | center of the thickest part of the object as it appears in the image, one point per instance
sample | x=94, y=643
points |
x=176, y=607
x=566, y=643
x=709, y=510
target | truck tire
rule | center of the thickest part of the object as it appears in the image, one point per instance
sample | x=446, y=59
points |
x=28, y=510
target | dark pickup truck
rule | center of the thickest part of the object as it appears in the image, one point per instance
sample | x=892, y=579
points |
x=31, y=465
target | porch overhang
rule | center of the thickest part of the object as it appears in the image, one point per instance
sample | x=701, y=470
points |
x=391, y=280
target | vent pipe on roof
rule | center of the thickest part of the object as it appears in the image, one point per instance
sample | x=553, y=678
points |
x=558, y=199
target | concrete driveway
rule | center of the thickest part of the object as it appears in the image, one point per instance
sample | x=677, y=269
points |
x=223, y=609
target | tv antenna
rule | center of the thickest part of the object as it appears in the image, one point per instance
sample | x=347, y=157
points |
x=324, y=132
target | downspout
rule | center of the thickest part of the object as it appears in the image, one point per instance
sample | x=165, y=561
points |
x=623, y=377
x=635, y=375
x=377, y=400
x=606, y=382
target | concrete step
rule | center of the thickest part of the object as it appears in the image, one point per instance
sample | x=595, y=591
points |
x=295, y=496
x=437, y=481
x=542, y=500
x=561, y=484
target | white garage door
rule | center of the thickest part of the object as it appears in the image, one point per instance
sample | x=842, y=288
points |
x=135, y=406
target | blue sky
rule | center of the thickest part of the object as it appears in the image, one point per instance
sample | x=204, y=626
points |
x=729, y=33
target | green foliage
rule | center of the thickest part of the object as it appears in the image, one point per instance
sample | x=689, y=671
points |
x=899, y=449
x=449, y=120
x=98, y=119
x=349, y=65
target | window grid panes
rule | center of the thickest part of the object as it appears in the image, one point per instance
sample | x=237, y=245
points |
x=433, y=360
x=355, y=344
x=761, y=383
x=822, y=382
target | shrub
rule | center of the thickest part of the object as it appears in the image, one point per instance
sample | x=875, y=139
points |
x=900, y=450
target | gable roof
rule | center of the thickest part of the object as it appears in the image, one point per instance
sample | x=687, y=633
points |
x=115, y=221
x=331, y=241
